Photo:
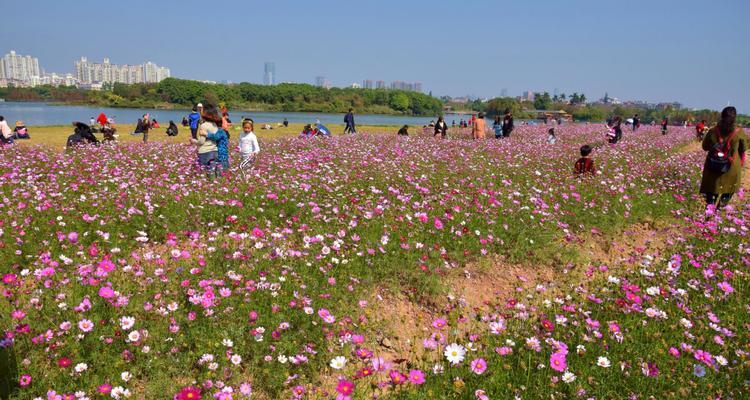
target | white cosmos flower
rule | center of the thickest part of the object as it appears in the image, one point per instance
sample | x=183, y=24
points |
x=454, y=353
x=80, y=367
x=338, y=362
x=127, y=322
x=236, y=359
x=568, y=377
x=134, y=336
x=603, y=362
x=126, y=376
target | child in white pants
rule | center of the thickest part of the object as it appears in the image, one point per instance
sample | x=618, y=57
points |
x=249, y=147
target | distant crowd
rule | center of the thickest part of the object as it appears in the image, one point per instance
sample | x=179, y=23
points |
x=726, y=143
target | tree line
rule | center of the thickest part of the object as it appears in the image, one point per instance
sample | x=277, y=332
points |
x=173, y=92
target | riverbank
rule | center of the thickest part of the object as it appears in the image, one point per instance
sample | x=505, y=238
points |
x=55, y=136
x=45, y=114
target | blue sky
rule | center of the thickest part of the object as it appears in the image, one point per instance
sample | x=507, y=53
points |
x=695, y=52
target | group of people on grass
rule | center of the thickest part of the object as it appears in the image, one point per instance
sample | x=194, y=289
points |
x=7, y=135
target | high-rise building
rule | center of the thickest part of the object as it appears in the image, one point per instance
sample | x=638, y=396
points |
x=16, y=67
x=367, y=84
x=321, y=81
x=418, y=87
x=89, y=73
x=528, y=95
x=380, y=85
x=269, y=74
x=504, y=92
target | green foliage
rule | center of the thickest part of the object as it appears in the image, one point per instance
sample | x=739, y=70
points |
x=286, y=96
x=542, y=101
x=399, y=102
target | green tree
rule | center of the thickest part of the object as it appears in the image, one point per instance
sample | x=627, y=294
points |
x=399, y=101
x=542, y=101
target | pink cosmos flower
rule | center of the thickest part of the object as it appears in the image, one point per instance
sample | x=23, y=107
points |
x=438, y=223
x=106, y=292
x=439, y=323
x=674, y=352
x=481, y=395
x=345, y=387
x=24, y=380
x=478, y=366
x=104, y=388
x=416, y=377
x=188, y=393
x=557, y=362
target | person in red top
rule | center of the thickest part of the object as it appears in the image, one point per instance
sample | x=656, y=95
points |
x=584, y=165
x=700, y=129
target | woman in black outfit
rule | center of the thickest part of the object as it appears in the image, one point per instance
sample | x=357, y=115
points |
x=507, y=123
x=441, y=128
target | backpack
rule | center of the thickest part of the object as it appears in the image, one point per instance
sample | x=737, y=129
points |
x=718, y=158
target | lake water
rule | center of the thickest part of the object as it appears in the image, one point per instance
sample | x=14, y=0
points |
x=44, y=114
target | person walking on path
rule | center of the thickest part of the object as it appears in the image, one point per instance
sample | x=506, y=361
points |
x=636, y=122
x=194, y=119
x=441, y=128
x=727, y=146
x=507, y=123
x=349, y=121
x=664, y=124
x=478, y=127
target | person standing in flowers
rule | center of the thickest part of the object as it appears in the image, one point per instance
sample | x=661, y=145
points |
x=727, y=146
x=207, y=150
x=221, y=138
x=584, y=165
x=507, y=123
x=478, y=127
x=441, y=128
x=249, y=147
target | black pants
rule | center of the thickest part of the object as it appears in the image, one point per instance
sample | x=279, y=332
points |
x=194, y=133
x=712, y=197
x=350, y=129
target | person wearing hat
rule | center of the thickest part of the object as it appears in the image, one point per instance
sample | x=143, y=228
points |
x=20, y=131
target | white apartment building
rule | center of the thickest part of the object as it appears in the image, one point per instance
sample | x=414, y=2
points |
x=105, y=72
x=15, y=67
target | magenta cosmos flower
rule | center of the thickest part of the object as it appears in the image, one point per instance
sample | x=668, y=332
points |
x=416, y=377
x=188, y=393
x=557, y=362
x=25, y=380
x=345, y=388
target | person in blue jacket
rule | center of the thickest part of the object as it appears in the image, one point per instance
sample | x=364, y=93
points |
x=194, y=120
x=221, y=138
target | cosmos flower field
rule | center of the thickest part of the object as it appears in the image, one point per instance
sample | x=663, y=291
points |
x=371, y=266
